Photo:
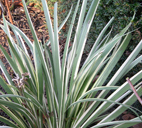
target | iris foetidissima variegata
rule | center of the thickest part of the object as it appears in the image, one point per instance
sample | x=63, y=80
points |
x=59, y=93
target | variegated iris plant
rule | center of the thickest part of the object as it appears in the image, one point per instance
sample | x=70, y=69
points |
x=61, y=93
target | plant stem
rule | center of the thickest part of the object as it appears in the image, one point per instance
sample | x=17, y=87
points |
x=134, y=90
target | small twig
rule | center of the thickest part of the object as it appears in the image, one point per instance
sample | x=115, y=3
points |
x=134, y=90
x=9, y=14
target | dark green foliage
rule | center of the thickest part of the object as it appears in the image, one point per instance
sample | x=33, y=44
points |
x=123, y=10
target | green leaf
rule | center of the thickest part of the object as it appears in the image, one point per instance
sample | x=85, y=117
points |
x=113, y=61
x=29, y=43
x=8, y=122
x=8, y=112
x=17, y=58
x=97, y=89
x=10, y=61
x=7, y=88
x=39, y=77
x=7, y=76
x=30, y=23
x=94, y=48
x=117, y=122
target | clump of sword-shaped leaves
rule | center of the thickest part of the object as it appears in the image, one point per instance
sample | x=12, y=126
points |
x=54, y=93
